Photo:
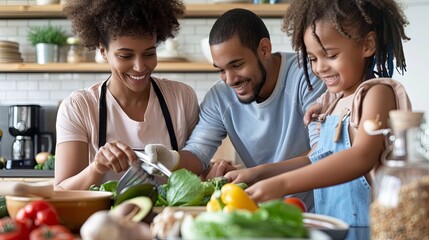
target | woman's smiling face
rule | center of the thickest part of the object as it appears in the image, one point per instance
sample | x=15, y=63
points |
x=342, y=66
x=132, y=60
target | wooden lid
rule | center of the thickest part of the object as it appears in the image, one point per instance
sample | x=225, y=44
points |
x=401, y=120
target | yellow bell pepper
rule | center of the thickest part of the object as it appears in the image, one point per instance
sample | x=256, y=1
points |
x=231, y=197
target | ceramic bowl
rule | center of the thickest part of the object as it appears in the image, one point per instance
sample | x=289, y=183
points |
x=73, y=206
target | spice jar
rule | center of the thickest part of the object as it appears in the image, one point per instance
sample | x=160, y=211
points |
x=75, y=52
x=400, y=209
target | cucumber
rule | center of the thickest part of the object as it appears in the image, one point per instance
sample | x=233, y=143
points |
x=3, y=208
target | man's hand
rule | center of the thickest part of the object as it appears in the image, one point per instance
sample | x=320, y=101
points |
x=312, y=113
x=159, y=153
x=217, y=169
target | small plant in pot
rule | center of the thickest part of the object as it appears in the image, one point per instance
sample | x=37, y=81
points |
x=47, y=40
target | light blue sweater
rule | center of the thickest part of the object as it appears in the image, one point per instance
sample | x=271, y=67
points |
x=265, y=132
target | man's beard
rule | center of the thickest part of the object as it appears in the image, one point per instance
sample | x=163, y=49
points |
x=258, y=87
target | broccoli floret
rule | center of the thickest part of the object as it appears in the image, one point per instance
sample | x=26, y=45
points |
x=218, y=182
x=208, y=188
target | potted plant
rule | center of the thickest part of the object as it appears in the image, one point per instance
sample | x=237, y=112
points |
x=47, y=40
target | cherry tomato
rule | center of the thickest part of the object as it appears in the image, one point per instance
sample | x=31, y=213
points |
x=12, y=230
x=55, y=232
x=296, y=202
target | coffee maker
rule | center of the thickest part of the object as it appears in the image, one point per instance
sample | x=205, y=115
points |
x=24, y=125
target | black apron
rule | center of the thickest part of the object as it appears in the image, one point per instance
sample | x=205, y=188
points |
x=103, y=115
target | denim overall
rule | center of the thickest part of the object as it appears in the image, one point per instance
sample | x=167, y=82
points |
x=348, y=201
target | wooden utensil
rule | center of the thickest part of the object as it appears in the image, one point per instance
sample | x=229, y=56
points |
x=26, y=189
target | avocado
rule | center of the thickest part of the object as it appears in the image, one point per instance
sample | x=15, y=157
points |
x=144, y=189
x=136, y=209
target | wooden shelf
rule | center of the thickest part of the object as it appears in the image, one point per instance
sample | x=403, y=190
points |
x=215, y=10
x=166, y=67
x=192, y=10
x=31, y=11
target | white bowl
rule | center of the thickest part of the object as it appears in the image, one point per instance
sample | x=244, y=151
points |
x=205, y=47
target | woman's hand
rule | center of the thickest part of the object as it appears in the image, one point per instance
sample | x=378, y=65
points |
x=114, y=156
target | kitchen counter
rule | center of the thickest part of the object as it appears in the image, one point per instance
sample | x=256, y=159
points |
x=26, y=173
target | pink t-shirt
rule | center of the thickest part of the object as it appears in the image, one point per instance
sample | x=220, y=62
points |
x=78, y=114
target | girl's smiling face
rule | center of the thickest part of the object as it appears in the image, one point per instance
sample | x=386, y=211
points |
x=342, y=66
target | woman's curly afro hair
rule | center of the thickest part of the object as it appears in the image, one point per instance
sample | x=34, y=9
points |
x=99, y=21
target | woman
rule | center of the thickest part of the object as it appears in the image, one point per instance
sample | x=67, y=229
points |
x=98, y=127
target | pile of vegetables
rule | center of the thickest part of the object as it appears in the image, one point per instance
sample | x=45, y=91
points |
x=273, y=219
x=184, y=188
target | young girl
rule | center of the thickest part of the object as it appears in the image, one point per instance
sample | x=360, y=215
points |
x=342, y=40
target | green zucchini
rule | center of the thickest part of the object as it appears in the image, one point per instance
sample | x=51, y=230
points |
x=3, y=208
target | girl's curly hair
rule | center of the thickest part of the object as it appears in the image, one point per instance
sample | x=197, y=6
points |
x=353, y=19
x=99, y=21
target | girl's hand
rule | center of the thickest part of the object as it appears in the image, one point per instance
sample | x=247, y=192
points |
x=114, y=156
x=266, y=190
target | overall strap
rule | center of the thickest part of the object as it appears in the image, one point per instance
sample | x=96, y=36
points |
x=331, y=107
x=166, y=114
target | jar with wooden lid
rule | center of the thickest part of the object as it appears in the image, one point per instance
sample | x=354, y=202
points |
x=75, y=54
x=400, y=207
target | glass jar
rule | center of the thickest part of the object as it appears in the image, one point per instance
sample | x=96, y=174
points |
x=400, y=209
x=75, y=54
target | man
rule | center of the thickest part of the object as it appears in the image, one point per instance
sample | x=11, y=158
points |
x=260, y=102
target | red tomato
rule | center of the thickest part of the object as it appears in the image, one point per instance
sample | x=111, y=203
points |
x=33, y=207
x=55, y=232
x=24, y=218
x=12, y=230
x=296, y=202
x=47, y=217
x=37, y=213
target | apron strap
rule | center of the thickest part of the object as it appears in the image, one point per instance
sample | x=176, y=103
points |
x=102, y=125
x=102, y=116
x=166, y=114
